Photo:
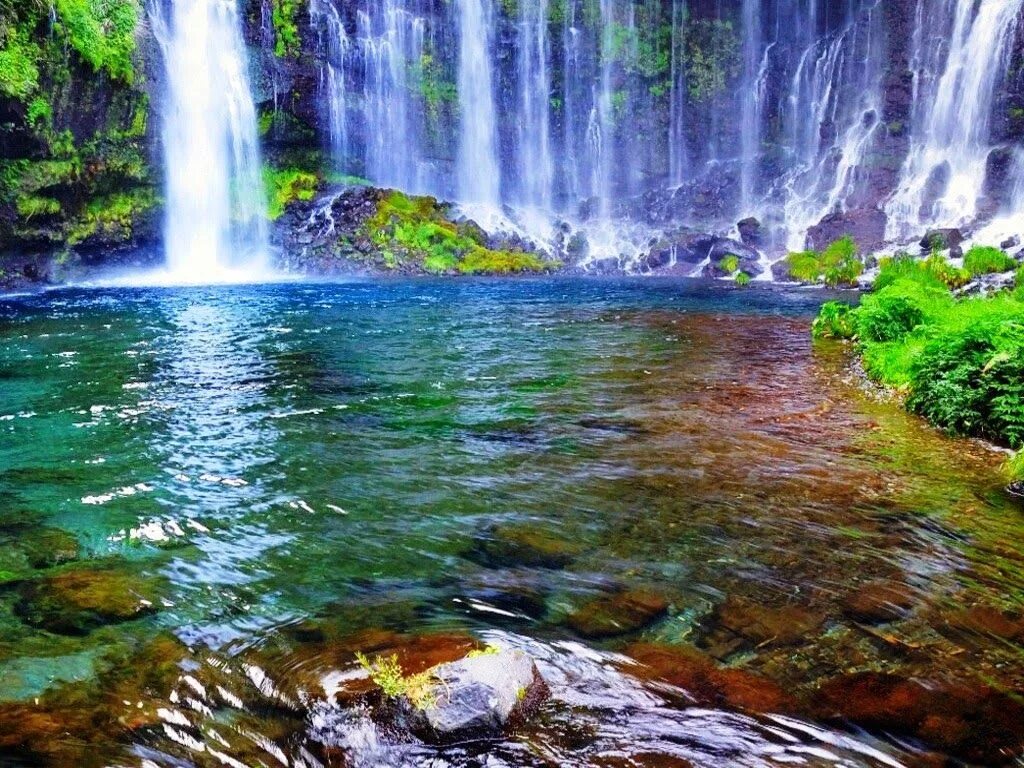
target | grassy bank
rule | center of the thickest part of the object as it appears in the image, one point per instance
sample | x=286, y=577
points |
x=958, y=362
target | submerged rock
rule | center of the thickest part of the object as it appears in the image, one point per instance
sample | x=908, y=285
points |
x=879, y=602
x=740, y=622
x=478, y=697
x=77, y=602
x=47, y=547
x=618, y=614
x=509, y=546
x=708, y=683
x=973, y=722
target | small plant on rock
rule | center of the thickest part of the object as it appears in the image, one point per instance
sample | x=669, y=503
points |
x=986, y=260
x=386, y=673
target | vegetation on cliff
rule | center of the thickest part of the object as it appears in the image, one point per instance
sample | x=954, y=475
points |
x=838, y=264
x=415, y=232
x=76, y=164
x=959, y=362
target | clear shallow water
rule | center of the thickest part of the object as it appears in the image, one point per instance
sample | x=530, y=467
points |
x=287, y=474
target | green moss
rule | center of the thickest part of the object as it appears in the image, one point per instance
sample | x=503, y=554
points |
x=19, y=71
x=729, y=264
x=743, y=279
x=102, y=32
x=286, y=186
x=287, y=42
x=712, y=52
x=429, y=78
x=30, y=206
x=837, y=265
x=115, y=214
x=985, y=260
x=414, y=231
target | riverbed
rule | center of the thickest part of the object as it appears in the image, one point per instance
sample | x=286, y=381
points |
x=721, y=545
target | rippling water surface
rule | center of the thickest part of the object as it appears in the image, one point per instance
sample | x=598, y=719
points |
x=264, y=480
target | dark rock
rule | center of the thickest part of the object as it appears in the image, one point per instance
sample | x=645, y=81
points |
x=1010, y=242
x=751, y=232
x=941, y=239
x=577, y=248
x=878, y=602
x=781, y=272
x=514, y=545
x=479, y=697
x=865, y=225
x=76, y=602
x=689, y=249
x=618, y=614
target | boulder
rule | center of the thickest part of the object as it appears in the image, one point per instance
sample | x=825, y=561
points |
x=1010, y=242
x=865, y=225
x=942, y=239
x=691, y=248
x=478, y=697
x=751, y=232
x=618, y=614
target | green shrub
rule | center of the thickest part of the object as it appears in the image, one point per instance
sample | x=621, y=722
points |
x=743, y=279
x=284, y=15
x=986, y=260
x=837, y=265
x=971, y=382
x=935, y=271
x=729, y=264
x=886, y=317
x=1015, y=468
x=834, y=321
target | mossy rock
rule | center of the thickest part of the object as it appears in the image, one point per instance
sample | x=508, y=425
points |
x=47, y=547
x=524, y=545
x=75, y=602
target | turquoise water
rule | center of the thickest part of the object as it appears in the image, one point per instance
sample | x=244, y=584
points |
x=278, y=470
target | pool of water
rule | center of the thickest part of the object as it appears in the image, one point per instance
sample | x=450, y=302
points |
x=722, y=548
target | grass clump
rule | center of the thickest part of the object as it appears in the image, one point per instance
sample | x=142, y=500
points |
x=959, y=361
x=839, y=264
x=414, y=231
x=743, y=279
x=986, y=260
x=834, y=321
x=386, y=673
x=285, y=186
x=1015, y=468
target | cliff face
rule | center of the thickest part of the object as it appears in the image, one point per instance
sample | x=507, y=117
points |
x=694, y=112
x=77, y=142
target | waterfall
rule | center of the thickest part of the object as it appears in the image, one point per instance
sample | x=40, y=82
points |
x=391, y=43
x=479, y=179
x=943, y=176
x=751, y=95
x=334, y=81
x=215, y=220
x=535, y=162
x=678, y=160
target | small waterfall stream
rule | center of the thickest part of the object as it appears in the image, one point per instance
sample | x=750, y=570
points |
x=215, y=220
x=944, y=173
x=479, y=177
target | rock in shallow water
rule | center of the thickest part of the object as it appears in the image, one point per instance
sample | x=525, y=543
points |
x=478, y=697
x=618, y=614
x=76, y=602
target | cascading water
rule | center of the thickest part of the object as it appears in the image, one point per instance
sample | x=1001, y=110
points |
x=790, y=111
x=535, y=163
x=215, y=225
x=479, y=177
x=943, y=177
